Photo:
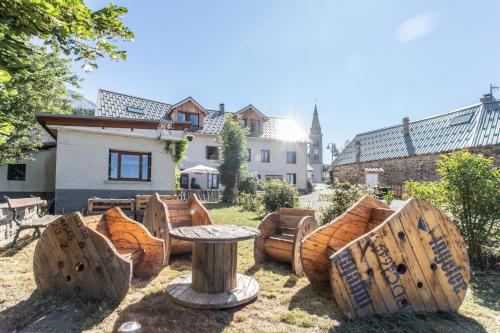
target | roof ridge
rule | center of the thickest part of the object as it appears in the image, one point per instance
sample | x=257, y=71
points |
x=128, y=95
x=426, y=118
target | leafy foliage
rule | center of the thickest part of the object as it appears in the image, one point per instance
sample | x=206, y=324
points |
x=178, y=151
x=63, y=25
x=469, y=192
x=67, y=25
x=343, y=196
x=389, y=197
x=249, y=202
x=41, y=88
x=278, y=194
x=249, y=184
x=232, y=141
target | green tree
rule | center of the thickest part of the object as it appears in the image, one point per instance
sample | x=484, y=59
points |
x=232, y=140
x=66, y=25
x=41, y=88
x=469, y=190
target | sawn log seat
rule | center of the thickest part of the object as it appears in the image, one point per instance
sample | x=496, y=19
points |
x=381, y=261
x=281, y=234
x=162, y=215
x=95, y=257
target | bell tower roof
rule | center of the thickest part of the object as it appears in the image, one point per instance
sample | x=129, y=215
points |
x=315, y=126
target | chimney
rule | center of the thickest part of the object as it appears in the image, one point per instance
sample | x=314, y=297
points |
x=221, y=107
x=486, y=98
x=406, y=126
x=358, y=151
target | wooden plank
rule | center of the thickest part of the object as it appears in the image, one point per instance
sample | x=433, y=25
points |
x=25, y=202
x=72, y=259
x=406, y=231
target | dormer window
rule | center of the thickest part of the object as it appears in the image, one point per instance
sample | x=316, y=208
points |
x=255, y=126
x=134, y=109
x=194, y=119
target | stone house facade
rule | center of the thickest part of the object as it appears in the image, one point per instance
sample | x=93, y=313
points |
x=392, y=155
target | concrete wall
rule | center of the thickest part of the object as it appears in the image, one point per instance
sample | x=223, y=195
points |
x=40, y=177
x=397, y=170
x=82, y=168
x=196, y=154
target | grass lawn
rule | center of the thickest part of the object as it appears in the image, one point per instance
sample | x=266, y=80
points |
x=285, y=303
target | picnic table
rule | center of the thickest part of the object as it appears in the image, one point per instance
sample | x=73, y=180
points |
x=214, y=282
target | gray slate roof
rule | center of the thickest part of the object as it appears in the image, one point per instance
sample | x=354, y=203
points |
x=112, y=104
x=431, y=135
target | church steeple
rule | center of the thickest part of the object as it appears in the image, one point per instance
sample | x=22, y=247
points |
x=315, y=155
x=315, y=126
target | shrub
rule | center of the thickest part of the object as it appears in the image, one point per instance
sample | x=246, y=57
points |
x=250, y=184
x=278, y=194
x=344, y=195
x=249, y=202
x=389, y=197
x=469, y=192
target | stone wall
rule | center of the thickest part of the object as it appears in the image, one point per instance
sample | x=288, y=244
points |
x=397, y=170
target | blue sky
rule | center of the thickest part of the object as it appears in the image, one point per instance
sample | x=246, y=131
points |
x=367, y=63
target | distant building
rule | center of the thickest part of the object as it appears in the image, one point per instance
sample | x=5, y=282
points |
x=315, y=155
x=391, y=155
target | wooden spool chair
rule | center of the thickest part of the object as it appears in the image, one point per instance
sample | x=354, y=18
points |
x=281, y=234
x=162, y=215
x=95, y=257
x=409, y=260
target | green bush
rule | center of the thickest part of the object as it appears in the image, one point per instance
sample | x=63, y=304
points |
x=249, y=202
x=389, y=197
x=250, y=184
x=344, y=195
x=469, y=191
x=278, y=194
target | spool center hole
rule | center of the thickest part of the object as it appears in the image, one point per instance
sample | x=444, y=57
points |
x=79, y=267
x=401, y=268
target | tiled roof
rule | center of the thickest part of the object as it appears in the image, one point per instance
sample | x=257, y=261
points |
x=112, y=104
x=471, y=126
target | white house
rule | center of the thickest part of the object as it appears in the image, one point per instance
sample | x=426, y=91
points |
x=277, y=147
x=120, y=152
x=90, y=156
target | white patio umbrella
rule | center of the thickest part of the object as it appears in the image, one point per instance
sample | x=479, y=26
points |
x=200, y=168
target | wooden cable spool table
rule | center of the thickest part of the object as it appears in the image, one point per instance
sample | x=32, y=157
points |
x=214, y=283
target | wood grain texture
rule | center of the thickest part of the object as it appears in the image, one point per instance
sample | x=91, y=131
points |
x=129, y=237
x=73, y=260
x=318, y=245
x=165, y=213
x=181, y=292
x=413, y=261
x=281, y=235
x=214, y=233
x=305, y=226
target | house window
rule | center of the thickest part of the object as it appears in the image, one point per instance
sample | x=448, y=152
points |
x=133, y=109
x=265, y=156
x=192, y=118
x=244, y=123
x=315, y=157
x=291, y=178
x=129, y=166
x=254, y=126
x=212, y=153
x=16, y=172
x=249, y=155
x=291, y=157
x=372, y=180
x=184, y=181
x=269, y=177
x=213, y=181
